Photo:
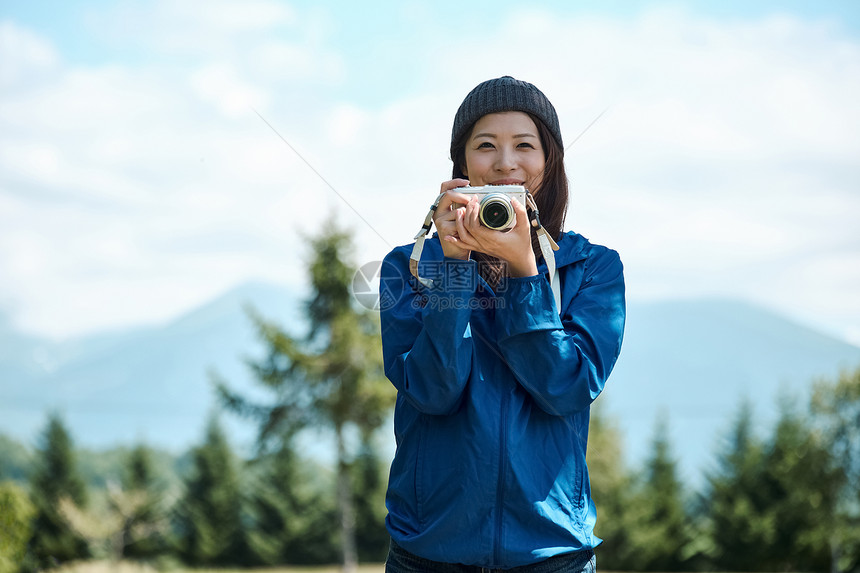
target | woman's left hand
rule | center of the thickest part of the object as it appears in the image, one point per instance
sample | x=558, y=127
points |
x=513, y=246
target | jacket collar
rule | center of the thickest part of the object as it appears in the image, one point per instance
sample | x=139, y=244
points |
x=572, y=248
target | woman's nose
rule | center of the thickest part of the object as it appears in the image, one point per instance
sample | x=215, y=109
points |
x=506, y=160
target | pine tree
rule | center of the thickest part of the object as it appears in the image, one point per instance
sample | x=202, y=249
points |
x=209, y=520
x=801, y=484
x=741, y=524
x=835, y=407
x=369, y=485
x=144, y=535
x=55, y=478
x=662, y=531
x=611, y=489
x=333, y=378
x=292, y=516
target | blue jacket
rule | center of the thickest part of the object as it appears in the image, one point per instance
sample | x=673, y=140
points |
x=493, y=396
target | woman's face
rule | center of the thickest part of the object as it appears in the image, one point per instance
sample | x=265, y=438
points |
x=505, y=149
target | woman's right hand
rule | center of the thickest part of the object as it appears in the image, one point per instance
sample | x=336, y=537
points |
x=451, y=207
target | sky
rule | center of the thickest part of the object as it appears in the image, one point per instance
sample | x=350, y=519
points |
x=154, y=155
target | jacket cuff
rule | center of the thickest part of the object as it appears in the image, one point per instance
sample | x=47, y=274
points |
x=528, y=306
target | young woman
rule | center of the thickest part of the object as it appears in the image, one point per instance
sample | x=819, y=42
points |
x=494, y=379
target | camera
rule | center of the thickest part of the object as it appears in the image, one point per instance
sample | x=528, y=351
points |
x=496, y=210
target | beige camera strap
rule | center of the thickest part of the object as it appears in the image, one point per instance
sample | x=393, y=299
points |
x=547, y=246
x=419, y=243
x=546, y=243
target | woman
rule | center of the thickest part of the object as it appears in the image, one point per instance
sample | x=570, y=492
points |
x=494, y=379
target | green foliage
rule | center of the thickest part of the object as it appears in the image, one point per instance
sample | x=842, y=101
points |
x=369, y=479
x=611, y=489
x=16, y=513
x=663, y=531
x=55, y=477
x=16, y=461
x=642, y=519
x=835, y=408
x=654, y=519
x=100, y=467
x=801, y=486
x=209, y=517
x=771, y=504
x=333, y=378
x=740, y=520
x=144, y=533
x=294, y=516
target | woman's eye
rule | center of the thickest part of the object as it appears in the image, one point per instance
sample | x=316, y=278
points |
x=485, y=145
x=525, y=145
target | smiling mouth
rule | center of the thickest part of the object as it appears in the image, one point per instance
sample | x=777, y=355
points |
x=507, y=182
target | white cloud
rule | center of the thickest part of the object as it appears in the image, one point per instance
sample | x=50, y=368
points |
x=725, y=164
x=33, y=56
x=221, y=86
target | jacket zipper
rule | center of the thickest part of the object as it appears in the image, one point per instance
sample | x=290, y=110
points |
x=500, y=492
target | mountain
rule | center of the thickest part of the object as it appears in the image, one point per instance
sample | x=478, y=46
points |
x=690, y=362
x=148, y=384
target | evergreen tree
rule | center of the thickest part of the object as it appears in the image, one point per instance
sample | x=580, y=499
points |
x=835, y=407
x=144, y=534
x=333, y=378
x=801, y=484
x=55, y=478
x=369, y=485
x=292, y=516
x=611, y=489
x=16, y=513
x=740, y=522
x=209, y=520
x=661, y=533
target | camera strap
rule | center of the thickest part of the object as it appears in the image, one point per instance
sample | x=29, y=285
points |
x=419, y=243
x=546, y=243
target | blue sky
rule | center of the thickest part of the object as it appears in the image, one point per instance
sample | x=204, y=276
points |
x=136, y=180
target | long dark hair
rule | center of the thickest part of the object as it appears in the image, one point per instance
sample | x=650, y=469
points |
x=551, y=197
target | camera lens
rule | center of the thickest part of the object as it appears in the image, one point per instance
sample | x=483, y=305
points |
x=496, y=211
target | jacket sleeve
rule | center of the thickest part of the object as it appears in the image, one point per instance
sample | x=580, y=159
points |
x=563, y=362
x=426, y=341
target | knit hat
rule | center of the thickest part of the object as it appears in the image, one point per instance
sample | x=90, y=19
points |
x=504, y=94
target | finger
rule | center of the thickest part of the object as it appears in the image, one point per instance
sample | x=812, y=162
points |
x=449, y=201
x=453, y=184
x=464, y=230
x=447, y=186
x=458, y=198
x=471, y=216
x=522, y=216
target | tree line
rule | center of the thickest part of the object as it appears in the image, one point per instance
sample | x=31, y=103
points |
x=788, y=500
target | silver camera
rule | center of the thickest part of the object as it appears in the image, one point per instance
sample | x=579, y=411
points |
x=496, y=210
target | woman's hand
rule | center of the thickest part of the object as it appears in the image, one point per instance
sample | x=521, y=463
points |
x=461, y=232
x=447, y=212
x=513, y=246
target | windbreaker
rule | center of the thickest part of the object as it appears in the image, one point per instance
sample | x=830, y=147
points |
x=493, y=395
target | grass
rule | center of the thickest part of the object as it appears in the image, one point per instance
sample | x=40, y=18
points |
x=128, y=567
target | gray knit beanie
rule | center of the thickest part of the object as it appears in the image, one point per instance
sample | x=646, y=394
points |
x=504, y=94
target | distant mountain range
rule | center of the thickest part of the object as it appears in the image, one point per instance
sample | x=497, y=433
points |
x=690, y=362
x=148, y=384
x=693, y=362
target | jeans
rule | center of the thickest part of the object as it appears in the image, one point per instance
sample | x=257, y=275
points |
x=401, y=561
